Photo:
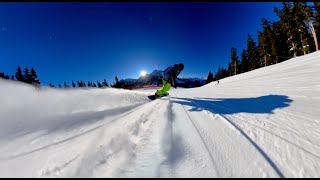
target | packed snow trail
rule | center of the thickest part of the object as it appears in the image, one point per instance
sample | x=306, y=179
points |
x=263, y=123
x=225, y=145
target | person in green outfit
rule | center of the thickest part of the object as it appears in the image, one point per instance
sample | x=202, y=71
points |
x=169, y=78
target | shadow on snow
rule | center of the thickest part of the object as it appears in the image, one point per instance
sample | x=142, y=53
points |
x=260, y=105
x=224, y=106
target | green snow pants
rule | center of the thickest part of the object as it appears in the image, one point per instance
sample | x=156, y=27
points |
x=165, y=88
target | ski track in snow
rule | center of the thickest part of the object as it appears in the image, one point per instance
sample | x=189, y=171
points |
x=204, y=143
x=234, y=126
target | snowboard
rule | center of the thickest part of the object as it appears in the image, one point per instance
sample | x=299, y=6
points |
x=153, y=97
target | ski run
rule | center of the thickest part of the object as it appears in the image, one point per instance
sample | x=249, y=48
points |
x=263, y=123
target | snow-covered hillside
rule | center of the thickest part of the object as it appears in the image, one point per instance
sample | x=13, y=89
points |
x=264, y=123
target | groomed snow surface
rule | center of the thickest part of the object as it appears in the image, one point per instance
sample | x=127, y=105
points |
x=264, y=123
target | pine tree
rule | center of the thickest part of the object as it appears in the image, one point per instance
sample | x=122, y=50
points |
x=218, y=73
x=244, y=61
x=221, y=73
x=65, y=85
x=19, y=76
x=290, y=25
x=117, y=84
x=59, y=86
x=266, y=44
x=252, y=53
x=302, y=13
x=4, y=76
x=305, y=18
x=105, y=83
x=280, y=52
x=27, y=76
x=229, y=70
x=12, y=77
x=33, y=77
x=224, y=73
x=276, y=43
x=51, y=85
x=234, y=61
x=209, y=78
x=99, y=84
x=73, y=84
x=80, y=84
x=262, y=49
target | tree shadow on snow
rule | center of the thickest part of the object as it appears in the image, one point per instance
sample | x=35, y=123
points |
x=258, y=105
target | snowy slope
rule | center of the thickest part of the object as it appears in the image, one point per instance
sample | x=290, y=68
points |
x=264, y=123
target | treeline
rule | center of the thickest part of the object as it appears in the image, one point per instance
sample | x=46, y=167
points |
x=26, y=76
x=121, y=83
x=81, y=84
x=294, y=34
x=31, y=77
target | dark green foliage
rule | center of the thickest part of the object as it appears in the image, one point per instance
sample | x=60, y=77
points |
x=234, y=66
x=19, y=76
x=119, y=84
x=221, y=73
x=33, y=77
x=244, y=62
x=27, y=76
x=229, y=69
x=73, y=84
x=278, y=41
x=105, y=83
x=99, y=84
x=65, y=85
x=293, y=20
x=79, y=84
x=210, y=78
x=252, y=53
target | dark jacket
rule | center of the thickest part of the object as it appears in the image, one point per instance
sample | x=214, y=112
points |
x=171, y=73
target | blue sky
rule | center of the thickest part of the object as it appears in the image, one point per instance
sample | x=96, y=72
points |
x=92, y=41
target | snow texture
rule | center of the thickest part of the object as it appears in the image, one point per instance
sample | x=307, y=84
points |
x=263, y=123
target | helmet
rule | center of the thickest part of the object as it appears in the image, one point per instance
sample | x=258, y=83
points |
x=181, y=66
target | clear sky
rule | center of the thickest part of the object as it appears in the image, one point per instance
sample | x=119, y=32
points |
x=92, y=41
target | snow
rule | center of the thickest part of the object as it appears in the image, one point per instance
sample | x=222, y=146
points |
x=263, y=123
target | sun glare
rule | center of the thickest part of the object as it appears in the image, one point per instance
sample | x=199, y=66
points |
x=143, y=73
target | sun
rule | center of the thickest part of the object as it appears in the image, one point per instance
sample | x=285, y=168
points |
x=143, y=73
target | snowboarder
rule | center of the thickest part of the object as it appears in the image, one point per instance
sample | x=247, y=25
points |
x=169, y=78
